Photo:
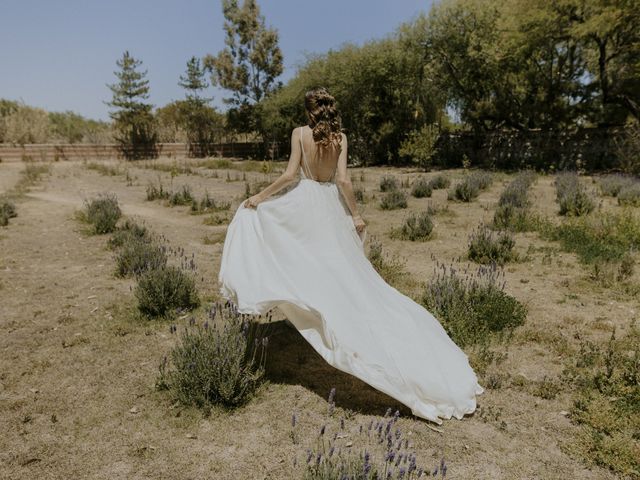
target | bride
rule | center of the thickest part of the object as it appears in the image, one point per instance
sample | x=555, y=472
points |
x=303, y=251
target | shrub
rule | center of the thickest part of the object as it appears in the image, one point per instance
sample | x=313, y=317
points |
x=393, y=200
x=208, y=204
x=388, y=183
x=417, y=226
x=421, y=188
x=572, y=196
x=472, y=306
x=440, y=181
x=103, y=213
x=464, y=191
x=7, y=211
x=485, y=246
x=129, y=231
x=216, y=365
x=139, y=255
x=391, y=269
x=607, y=403
x=607, y=242
x=482, y=180
x=611, y=185
x=160, y=291
x=630, y=195
x=359, y=193
x=157, y=192
x=181, y=197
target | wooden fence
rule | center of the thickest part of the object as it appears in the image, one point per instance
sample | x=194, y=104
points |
x=80, y=151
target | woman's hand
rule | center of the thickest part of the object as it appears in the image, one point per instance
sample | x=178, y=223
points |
x=252, y=202
x=358, y=222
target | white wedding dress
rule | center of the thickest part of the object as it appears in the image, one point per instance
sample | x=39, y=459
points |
x=301, y=252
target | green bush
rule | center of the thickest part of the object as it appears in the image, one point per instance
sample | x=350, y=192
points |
x=208, y=204
x=606, y=405
x=485, y=246
x=216, y=365
x=393, y=200
x=7, y=211
x=465, y=191
x=611, y=185
x=439, y=182
x=157, y=192
x=103, y=213
x=160, y=291
x=472, y=306
x=129, y=231
x=181, y=197
x=417, y=226
x=388, y=183
x=572, y=195
x=421, y=188
x=630, y=195
x=138, y=256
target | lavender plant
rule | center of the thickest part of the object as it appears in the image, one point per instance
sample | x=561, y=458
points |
x=572, y=195
x=7, y=211
x=373, y=451
x=394, y=200
x=421, y=188
x=470, y=187
x=611, y=185
x=606, y=403
x=161, y=291
x=181, y=197
x=208, y=204
x=102, y=213
x=388, y=183
x=220, y=361
x=139, y=255
x=416, y=227
x=129, y=231
x=472, y=304
x=486, y=246
x=440, y=181
x=630, y=195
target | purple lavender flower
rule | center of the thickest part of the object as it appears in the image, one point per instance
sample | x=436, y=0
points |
x=293, y=420
x=322, y=429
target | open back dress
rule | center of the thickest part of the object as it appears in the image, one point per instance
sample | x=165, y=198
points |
x=300, y=252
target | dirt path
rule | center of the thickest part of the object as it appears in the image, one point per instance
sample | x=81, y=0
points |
x=76, y=380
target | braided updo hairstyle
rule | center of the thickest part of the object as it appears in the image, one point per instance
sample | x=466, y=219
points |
x=324, y=118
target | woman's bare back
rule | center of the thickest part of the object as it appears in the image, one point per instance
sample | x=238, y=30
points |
x=322, y=162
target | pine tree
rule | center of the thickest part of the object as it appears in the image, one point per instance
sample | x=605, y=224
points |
x=200, y=119
x=249, y=64
x=133, y=119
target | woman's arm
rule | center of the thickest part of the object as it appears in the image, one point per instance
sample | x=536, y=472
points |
x=346, y=188
x=287, y=177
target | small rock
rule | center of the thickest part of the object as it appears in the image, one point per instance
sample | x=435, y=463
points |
x=192, y=435
x=134, y=409
x=564, y=413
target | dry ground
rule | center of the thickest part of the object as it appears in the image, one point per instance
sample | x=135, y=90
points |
x=77, y=397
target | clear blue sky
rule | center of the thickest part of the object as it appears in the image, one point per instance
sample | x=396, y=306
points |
x=59, y=55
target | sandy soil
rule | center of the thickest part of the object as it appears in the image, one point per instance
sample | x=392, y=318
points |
x=77, y=395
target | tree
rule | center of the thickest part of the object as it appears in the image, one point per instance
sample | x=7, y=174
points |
x=134, y=123
x=249, y=64
x=610, y=32
x=200, y=120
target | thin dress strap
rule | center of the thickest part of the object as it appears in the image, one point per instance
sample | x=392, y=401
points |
x=304, y=157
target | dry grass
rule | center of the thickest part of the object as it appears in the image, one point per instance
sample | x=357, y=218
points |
x=77, y=377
